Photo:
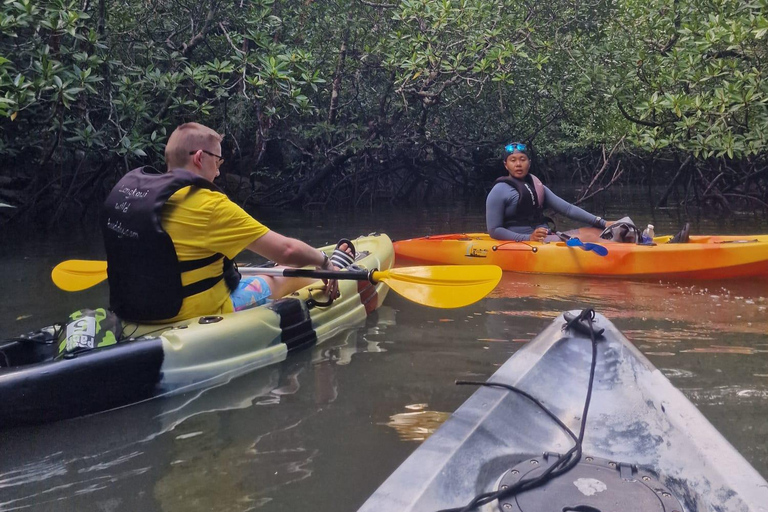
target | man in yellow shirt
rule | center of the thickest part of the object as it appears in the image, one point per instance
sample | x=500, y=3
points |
x=170, y=238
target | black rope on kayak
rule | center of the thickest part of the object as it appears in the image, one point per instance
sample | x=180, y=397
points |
x=32, y=339
x=124, y=336
x=565, y=462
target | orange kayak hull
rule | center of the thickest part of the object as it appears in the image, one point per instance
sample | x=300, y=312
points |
x=703, y=257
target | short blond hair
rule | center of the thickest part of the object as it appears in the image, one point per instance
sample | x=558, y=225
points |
x=189, y=137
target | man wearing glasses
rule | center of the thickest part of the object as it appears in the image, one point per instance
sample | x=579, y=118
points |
x=170, y=239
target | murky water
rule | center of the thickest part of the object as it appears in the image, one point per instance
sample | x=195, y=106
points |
x=324, y=428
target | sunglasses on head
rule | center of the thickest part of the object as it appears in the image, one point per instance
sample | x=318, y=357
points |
x=515, y=146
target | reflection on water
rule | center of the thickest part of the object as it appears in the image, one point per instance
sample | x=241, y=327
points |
x=419, y=424
x=735, y=306
x=184, y=449
x=723, y=395
x=324, y=428
x=715, y=349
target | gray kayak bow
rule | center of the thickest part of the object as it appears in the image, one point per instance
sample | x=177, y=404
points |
x=646, y=448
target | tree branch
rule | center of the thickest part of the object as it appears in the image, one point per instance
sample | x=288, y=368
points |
x=635, y=120
x=186, y=48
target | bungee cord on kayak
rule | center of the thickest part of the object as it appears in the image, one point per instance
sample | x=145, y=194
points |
x=564, y=462
x=499, y=247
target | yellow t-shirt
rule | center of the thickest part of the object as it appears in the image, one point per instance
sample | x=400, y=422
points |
x=201, y=223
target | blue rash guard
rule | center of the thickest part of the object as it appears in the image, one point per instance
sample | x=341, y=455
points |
x=502, y=204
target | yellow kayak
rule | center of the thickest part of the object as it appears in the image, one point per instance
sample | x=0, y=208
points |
x=703, y=257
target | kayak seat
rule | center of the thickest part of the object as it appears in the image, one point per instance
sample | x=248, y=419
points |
x=682, y=236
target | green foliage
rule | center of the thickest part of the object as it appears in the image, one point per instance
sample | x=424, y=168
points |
x=97, y=86
x=691, y=75
x=75, y=86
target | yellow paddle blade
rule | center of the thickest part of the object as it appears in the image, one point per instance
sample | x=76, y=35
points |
x=445, y=286
x=76, y=275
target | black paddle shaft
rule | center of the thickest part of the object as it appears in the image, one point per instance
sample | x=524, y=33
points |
x=354, y=275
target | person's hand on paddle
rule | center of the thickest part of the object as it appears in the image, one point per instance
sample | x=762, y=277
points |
x=331, y=285
x=539, y=234
x=343, y=256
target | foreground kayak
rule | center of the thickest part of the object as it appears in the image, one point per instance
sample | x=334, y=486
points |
x=158, y=359
x=645, y=447
x=703, y=257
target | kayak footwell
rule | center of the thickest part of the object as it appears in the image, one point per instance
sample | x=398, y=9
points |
x=638, y=425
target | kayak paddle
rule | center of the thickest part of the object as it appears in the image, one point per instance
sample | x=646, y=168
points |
x=449, y=286
x=572, y=241
x=587, y=246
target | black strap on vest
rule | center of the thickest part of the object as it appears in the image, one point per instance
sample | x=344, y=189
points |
x=230, y=275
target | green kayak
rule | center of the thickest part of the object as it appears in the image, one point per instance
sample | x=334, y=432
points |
x=151, y=360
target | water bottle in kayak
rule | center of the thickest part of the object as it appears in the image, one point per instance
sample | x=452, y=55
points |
x=648, y=234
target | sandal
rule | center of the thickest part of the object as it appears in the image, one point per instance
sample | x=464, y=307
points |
x=343, y=259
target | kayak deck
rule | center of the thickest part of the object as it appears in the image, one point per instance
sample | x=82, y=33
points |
x=636, y=418
x=703, y=257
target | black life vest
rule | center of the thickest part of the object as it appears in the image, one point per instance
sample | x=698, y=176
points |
x=530, y=205
x=143, y=268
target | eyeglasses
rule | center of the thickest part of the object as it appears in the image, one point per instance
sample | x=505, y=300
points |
x=515, y=146
x=220, y=158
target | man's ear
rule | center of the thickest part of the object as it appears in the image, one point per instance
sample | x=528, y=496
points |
x=197, y=158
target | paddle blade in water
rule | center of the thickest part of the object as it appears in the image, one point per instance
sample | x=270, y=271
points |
x=447, y=286
x=76, y=275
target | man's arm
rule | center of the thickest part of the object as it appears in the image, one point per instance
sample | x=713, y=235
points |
x=286, y=251
x=573, y=212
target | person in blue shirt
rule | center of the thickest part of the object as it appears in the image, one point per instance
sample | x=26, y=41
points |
x=514, y=209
